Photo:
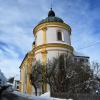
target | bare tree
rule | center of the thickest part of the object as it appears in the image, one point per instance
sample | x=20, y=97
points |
x=94, y=82
x=96, y=68
x=36, y=76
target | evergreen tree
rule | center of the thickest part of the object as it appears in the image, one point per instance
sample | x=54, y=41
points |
x=66, y=76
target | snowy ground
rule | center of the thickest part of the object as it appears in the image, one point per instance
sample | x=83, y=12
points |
x=45, y=96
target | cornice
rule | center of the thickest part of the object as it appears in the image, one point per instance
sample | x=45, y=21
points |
x=52, y=45
x=51, y=24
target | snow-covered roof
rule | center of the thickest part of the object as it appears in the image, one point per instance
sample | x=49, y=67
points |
x=79, y=54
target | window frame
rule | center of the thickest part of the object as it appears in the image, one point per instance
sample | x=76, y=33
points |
x=61, y=33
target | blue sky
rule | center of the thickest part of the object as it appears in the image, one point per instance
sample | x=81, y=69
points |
x=19, y=17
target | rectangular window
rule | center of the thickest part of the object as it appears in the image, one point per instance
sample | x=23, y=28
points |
x=59, y=36
x=81, y=60
x=86, y=60
x=17, y=87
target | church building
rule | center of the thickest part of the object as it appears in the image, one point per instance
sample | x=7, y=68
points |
x=52, y=38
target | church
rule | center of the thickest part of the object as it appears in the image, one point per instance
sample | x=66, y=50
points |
x=52, y=38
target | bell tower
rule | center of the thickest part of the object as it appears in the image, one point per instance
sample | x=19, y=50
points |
x=52, y=37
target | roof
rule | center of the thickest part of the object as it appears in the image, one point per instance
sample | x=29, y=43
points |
x=51, y=18
x=78, y=54
x=24, y=60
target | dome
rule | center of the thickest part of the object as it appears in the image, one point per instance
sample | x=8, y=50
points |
x=51, y=18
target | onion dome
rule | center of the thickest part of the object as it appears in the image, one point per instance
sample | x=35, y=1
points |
x=51, y=18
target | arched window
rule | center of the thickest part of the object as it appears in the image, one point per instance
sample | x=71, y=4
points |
x=59, y=36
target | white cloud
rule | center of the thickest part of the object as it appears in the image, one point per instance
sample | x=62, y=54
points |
x=18, y=17
x=10, y=67
x=81, y=19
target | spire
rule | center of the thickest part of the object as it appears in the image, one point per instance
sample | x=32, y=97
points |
x=51, y=4
x=51, y=13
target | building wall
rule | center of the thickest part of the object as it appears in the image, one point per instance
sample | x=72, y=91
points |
x=39, y=38
x=83, y=59
x=51, y=36
x=16, y=85
x=47, y=46
x=52, y=52
x=25, y=70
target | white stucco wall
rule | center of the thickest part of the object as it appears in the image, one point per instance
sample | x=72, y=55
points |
x=51, y=36
x=51, y=39
x=52, y=52
x=39, y=38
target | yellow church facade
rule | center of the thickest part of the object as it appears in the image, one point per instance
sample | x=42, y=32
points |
x=52, y=38
x=47, y=45
x=25, y=70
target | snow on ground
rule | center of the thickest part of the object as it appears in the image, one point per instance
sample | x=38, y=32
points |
x=45, y=96
x=30, y=97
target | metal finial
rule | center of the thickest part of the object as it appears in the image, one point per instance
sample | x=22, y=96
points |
x=51, y=4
